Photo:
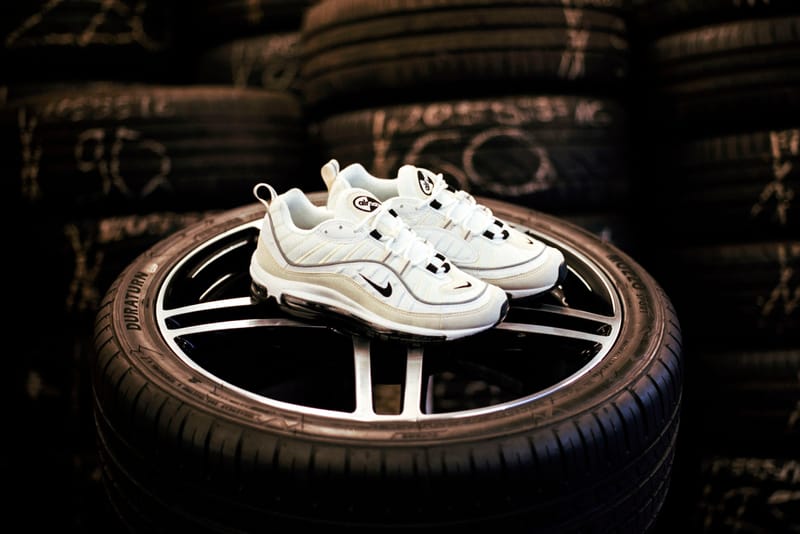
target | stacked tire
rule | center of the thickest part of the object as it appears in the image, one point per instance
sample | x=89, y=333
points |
x=109, y=147
x=521, y=101
x=244, y=43
x=721, y=99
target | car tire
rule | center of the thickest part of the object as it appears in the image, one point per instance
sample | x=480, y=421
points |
x=197, y=432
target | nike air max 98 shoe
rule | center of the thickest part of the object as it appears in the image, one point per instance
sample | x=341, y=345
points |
x=459, y=227
x=360, y=266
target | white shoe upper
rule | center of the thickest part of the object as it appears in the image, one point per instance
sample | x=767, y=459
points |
x=357, y=256
x=458, y=226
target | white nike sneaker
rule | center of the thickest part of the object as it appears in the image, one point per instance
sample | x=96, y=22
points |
x=360, y=266
x=466, y=232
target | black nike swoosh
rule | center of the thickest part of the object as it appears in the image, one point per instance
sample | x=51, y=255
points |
x=385, y=291
x=468, y=284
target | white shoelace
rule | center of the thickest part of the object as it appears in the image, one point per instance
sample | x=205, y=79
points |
x=399, y=238
x=462, y=208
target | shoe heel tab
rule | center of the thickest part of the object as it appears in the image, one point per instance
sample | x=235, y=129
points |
x=258, y=192
x=329, y=172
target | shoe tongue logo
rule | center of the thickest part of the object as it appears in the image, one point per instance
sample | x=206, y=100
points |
x=425, y=183
x=365, y=203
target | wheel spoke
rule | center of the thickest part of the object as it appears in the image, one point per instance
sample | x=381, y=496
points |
x=571, y=312
x=553, y=331
x=363, y=370
x=602, y=330
x=412, y=395
x=207, y=306
x=192, y=314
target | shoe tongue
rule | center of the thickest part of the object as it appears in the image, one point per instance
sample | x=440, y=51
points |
x=354, y=204
x=416, y=182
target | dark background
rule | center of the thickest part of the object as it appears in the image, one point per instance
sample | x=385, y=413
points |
x=670, y=128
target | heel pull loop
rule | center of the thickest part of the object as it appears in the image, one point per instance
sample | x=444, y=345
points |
x=329, y=172
x=264, y=200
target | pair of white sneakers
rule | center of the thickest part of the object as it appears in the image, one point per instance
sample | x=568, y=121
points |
x=406, y=258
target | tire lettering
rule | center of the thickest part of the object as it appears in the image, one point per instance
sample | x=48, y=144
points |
x=573, y=59
x=783, y=297
x=107, y=107
x=31, y=154
x=130, y=313
x=26, y=35
x=634, y=281
x=785, y=147
x=420, y=127
x=83, y=293
x=101, y=153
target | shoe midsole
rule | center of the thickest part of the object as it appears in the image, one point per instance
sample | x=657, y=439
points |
x=279, y=288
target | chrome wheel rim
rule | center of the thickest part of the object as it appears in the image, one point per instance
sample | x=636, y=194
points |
x=205, y=314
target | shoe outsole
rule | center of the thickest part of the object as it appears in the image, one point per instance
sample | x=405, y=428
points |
x=348, y=323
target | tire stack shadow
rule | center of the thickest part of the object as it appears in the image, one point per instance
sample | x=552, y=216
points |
x=111, y=143
x=720, y=105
